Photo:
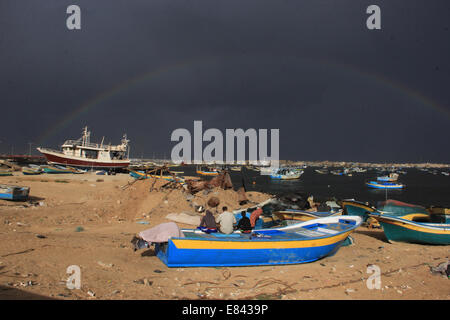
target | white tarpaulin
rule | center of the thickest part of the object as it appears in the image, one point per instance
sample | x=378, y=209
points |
x=162, y=232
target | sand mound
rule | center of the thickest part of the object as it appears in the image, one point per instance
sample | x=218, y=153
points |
x=138, y=202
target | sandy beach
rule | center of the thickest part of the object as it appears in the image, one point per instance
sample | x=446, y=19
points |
x=88, y=220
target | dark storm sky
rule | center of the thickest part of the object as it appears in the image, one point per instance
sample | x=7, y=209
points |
x=336, y=90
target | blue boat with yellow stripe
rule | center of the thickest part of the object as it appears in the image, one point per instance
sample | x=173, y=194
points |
x=404, y=230
x=299, y=243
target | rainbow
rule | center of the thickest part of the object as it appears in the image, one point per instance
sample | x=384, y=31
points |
x=100, y=98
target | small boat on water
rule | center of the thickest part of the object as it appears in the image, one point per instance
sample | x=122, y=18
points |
x=403, y=230
x=286, y=174
x=10, y=192
x=384, y=185
x=321, y=171
x=300, y=243
x=208, y=171
x=31, y=171
x=389, y=178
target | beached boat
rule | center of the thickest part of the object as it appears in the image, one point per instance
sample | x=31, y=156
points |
x=389, y=207
x=404, y=210
x=82, y=153
x=6, y=173
x=142, y=175
x=439, y=214
x=10, y=192
x=56, y=170
x=403, y=230
x=286, y=174
x=299, y=243
x=31, y=171
x=356, y=208
x=384, y=185
x=304, y=215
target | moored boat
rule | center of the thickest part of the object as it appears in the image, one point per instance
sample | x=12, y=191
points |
x=384, y=185
x=11, y=192
x=300, y=243
x=286, y=174
x=403, y=230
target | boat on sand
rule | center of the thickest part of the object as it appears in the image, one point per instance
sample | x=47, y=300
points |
x=300, y=243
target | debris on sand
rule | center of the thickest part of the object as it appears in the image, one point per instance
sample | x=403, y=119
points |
x=443, y=269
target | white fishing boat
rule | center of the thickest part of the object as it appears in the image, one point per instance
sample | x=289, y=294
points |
x=82, y=153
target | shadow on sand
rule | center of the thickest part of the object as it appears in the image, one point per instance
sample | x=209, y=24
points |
x=10, y=293
x=377, y=234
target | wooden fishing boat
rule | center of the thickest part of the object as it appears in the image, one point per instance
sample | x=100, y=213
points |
x=6, y=173
x=389, y=207
x=143, y=175
x=56, y=170
x=299, y=243
x=31, y=171
x=286, y=174
x=82, y=153
x=403, y=230
x=10, y=192
x=439, y=214
x=404, y=210
x=389, y=178
x=303, y=215
x=384, y=185
x=356, y=208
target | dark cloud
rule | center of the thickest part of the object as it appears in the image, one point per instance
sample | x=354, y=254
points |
x=312, y=69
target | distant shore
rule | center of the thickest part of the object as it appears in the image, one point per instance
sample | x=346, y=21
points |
x=365, y=164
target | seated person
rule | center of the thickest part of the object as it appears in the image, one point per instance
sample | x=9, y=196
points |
x=208, y=223
x=255, y=216
x=226, y=220
x=244, y=224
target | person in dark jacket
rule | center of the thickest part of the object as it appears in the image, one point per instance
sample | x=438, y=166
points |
x=244, y=224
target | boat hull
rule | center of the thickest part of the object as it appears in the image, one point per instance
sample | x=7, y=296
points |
x=236, y=250
x=143, y=175
x=402, y=230
x=208, y=173
x=244, y=257
x=61, y=159
x=385, y=185
x=301, y=215
x=8, y=192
